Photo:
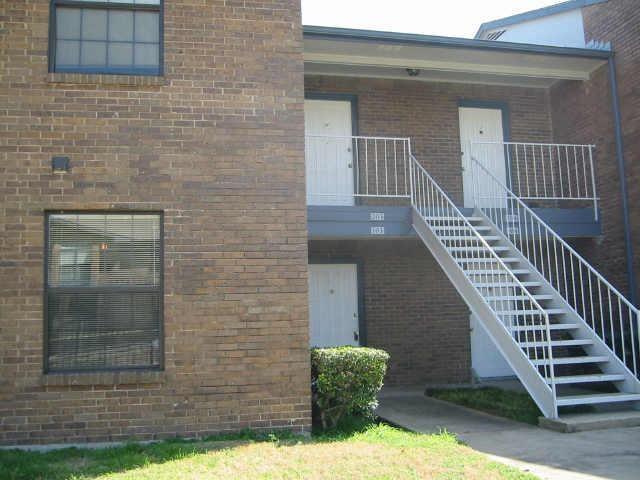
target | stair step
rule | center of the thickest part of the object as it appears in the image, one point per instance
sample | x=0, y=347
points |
x=582, y=422
x=506, y=285
x=488, y=260
x=553, y=326
x=598, y=398
x=557, y=343
x=453, y=219
x=465, y=228
x=477, y=249
x=515, y=271
x=599, y=377
x=550, y=311
x=488, y=238
x=515, y=298
x=572, y=360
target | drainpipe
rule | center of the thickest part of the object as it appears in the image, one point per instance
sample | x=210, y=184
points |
x=613, y=82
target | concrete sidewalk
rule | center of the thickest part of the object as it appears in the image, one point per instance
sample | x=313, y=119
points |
x=610, y=454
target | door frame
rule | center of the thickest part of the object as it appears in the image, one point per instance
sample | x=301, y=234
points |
x=506, y=125
x=359, y=263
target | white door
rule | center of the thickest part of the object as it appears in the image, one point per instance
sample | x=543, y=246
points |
x=333, y=305
x=486, y=359
x=328, y=152
x=482, y=125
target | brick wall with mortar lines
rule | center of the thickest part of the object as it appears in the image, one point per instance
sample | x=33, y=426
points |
x=411, y=310
x=427, y=112
x=617, y=21
x=582, y=112
x=217, y=144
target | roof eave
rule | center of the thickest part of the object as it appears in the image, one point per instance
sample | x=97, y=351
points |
x=450, y=42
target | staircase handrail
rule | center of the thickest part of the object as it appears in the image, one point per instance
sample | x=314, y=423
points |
x=621, y=299
x=416, y=205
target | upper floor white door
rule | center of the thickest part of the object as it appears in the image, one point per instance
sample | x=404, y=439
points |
x=328, y=152
x=482, y=125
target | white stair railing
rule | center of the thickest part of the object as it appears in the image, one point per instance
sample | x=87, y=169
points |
x=604, y=309
x=517, y=310
x=547, y=174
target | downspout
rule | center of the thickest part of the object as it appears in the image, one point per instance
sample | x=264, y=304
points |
x=613, y=82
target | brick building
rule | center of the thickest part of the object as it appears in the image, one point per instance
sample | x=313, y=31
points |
x=195, y=192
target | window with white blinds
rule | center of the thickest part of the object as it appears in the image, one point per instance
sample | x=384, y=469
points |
x=104, y=291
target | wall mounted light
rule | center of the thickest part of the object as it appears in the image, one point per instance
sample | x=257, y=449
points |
x=60, y=164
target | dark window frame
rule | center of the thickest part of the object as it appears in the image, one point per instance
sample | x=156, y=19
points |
x=46, y=289
x=54, y=4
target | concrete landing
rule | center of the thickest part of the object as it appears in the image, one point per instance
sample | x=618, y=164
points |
x=602, y=454
x=583, y=422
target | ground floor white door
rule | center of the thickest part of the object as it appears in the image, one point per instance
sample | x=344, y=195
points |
x=333, y=305
x=486, y=359
x=328, y=152
x=482, y=125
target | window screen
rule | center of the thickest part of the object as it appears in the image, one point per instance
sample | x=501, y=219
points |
x=103, y=291
x=112, y=36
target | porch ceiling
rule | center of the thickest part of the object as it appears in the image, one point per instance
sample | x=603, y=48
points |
x=346, y=52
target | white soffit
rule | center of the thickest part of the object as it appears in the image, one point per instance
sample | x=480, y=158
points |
x=347, y=57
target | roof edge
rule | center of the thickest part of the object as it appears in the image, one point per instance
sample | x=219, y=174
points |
x=535, y=14
x=451, y=42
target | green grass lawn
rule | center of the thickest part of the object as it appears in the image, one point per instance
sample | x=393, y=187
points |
x=514, y=405
x=372, y=451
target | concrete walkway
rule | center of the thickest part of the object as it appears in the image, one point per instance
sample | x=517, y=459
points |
x=610, y=454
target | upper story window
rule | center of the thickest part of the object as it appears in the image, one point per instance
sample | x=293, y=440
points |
x=103, y=291
x=107, y=36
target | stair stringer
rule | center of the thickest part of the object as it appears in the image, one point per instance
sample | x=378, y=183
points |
x=506, y=344
x=631, y=384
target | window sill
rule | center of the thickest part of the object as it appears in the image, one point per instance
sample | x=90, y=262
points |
x=130, y=377
x=105, y=79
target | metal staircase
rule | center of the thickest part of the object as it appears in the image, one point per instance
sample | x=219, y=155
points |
x=570, y=337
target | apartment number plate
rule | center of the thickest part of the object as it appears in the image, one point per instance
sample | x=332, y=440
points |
x=376, y=216
x=377, y=230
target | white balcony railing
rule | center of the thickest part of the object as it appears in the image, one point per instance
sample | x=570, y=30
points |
x=341, y=169
x=542, y=174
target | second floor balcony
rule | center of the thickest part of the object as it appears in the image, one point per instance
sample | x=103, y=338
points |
x=360, y=186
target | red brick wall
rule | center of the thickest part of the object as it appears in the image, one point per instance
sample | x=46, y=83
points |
x=218, y=146
x=617, y=21
x=582, y=113
x=411, y=310
x=427, y=112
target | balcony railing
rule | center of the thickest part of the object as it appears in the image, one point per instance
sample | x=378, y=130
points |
x=342, y=169
x=541, y=174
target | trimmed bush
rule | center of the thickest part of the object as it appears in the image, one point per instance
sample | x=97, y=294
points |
x=345, y=381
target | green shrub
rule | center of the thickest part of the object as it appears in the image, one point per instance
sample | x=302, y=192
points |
x=345, y=381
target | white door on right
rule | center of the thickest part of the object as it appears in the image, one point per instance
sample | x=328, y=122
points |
x=482, y=125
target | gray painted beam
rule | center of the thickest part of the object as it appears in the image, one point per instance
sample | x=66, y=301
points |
x=362, y=222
